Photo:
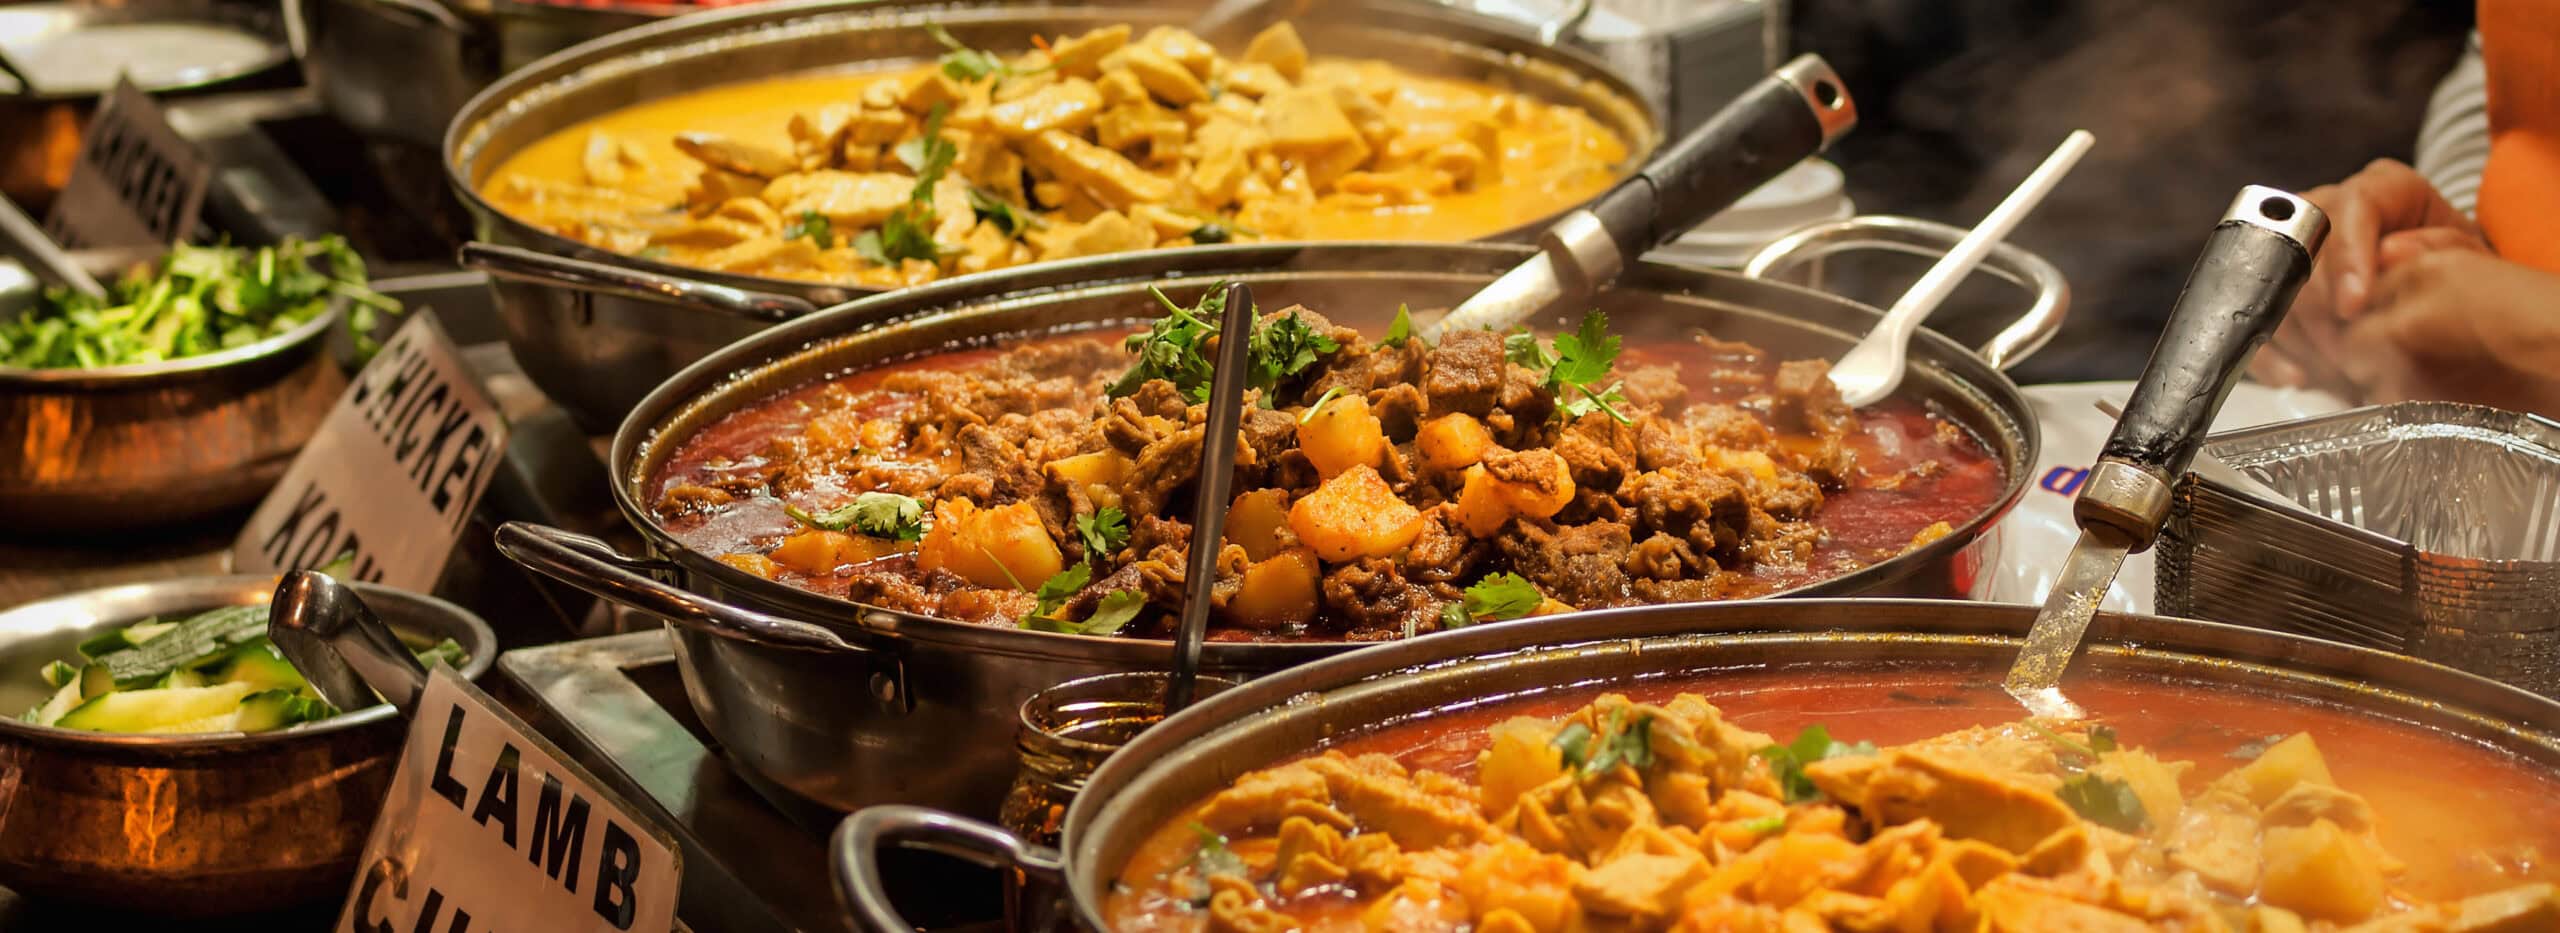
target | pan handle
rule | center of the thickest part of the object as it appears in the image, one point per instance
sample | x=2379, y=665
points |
x=594, y=566
x=862, y=837
x=515, y=264
x=1913, y=236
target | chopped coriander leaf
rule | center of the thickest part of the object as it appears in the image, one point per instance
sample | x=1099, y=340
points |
x=812, y=226
x=2080, y=754
x=1210, y=234
x=1400, y=329
x=1008, y=218
x=1320, y=402
x=961, y=62
x=1114, y=611
x=1283, y=347
x=2105, y=801
x=1495, y=598
x=1578, y=361
x=1213, y=858
x=1626, y=743
x=1103, y=532
x=1055, y=591
x=1174, y=348
x=2102, y=739
x=1765, y=825
x=878, y=514
x=1574, y=743
x=1811, y=745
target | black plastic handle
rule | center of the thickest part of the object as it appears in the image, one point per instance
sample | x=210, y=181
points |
x=1791, y=115
x=2252, y=264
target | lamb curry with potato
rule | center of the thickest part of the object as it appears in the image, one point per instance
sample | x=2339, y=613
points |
x=1385, y=487
x=1096, y=143
x=1923, y=806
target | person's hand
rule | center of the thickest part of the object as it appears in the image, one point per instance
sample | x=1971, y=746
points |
x=2462, y=325
x=2382, y=204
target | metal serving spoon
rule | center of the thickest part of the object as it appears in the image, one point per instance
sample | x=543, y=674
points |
x=2253, y=263
x=1871, y=370
x=1791, y=115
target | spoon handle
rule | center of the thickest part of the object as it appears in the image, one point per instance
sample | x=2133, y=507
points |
x=2253, y=263
x=1941, y=279
x=1793, y=114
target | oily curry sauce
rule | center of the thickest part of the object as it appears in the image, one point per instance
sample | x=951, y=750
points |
x=2461, y=820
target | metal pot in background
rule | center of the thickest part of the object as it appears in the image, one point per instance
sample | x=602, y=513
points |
x=159, y=443
x=193, y=824
x=830, y=701
x=1203, y=749
x=597, y=352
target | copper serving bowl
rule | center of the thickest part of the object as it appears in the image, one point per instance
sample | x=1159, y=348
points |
x=116, y=447
x=196, y=824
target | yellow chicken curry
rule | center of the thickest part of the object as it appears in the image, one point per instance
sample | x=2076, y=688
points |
x=1097, y=143
x=2211, y=809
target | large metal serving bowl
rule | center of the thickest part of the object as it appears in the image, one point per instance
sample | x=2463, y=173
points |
x=833, y=701
x=193, y=824
x=94, y=450
x=597, y=354
x=1277, y=718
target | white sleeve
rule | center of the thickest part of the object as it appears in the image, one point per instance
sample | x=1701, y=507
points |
x=2453, y=144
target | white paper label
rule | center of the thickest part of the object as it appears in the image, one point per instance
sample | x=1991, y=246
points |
x=393, y=472
x=490, y=827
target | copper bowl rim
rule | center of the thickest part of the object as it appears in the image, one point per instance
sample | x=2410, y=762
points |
x=131, y=375
x=242, y=590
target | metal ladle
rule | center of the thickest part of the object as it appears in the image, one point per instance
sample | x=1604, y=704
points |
x=1217, y=481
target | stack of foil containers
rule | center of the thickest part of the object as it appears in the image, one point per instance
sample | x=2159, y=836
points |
x=2430, y=529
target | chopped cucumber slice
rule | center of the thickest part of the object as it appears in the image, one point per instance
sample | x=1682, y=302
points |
x=448, y=651
x=220, y=722
x=62, y=701
x=277, y=709
x=193, y=642
x=180, y=679
x=57, y=673
x=157, y=709
x=259, y=664
x=127, y=637
x=96, y=681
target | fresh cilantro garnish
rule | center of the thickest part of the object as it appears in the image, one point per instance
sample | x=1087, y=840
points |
x=1008, y=218
x=1282, y=348
x=2105, y=801
x=1114, y=611
x=1213, y=859
x=1103, y=532
x=1573, y=742
x=1579, y=361
x=907, y=233
x=961, y=62
x=2102, y=739
x=1495, y=598
x=1309, y=416
x=2072, y=754
x=1623, y=743
x=814, y=227
x=1811, y=745
x=1764, y=825
x=878, y=514
x=1211, y=233
x=1173, y=348
x=1400, y=329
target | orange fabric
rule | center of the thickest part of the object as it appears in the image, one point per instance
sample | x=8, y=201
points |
x=2520, y=189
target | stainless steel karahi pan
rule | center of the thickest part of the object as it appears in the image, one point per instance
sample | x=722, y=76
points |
x=847, y=705
x=1265, y=722
x=597, y=353
x=193, y=824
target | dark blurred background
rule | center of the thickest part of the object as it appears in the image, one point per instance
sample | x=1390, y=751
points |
x=2190, y=99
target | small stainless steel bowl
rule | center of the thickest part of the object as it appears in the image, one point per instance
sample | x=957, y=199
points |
x=198, y=824
x=93, y=450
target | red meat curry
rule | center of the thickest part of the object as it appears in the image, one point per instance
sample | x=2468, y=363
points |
x=1385, y=487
